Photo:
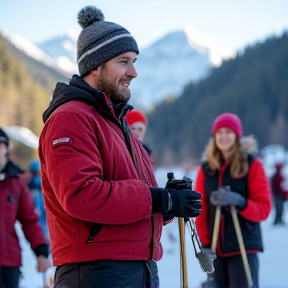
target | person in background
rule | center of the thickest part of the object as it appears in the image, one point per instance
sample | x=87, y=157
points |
x=279, y=193
x=138, y=124
x=35, y=187
x=105, y=212
x=230, y=164
x=16, y=203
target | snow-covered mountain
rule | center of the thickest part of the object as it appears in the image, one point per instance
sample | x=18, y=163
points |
x=180, y=57
x=63, y=50
x=163, y=68
x=43, y=69
x=30, y=49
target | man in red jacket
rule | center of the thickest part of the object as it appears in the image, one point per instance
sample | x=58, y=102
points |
x=105, y=213
x=16, y=203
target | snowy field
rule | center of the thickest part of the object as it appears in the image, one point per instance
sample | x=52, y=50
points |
x=273, y=262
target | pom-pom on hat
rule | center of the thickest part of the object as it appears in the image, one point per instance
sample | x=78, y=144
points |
x=100, y=41
x=230, y=121
x=135, y=116
x=3, y=137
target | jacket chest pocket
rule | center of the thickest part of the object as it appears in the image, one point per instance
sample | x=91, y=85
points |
x=10, y=210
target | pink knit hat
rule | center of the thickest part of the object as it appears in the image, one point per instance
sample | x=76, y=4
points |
x=230, y=121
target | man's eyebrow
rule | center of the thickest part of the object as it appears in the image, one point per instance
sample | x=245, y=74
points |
x=127, y=58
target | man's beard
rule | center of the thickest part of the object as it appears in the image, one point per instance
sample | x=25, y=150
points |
x=107, y=85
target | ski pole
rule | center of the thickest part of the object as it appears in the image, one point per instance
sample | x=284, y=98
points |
x=216, y=228
x=184, y=277
x=241, y=245
x=181, y=225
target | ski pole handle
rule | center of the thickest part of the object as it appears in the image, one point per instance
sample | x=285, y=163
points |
x=184, y=278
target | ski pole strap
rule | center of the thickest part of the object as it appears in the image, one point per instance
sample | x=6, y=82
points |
x=206, y=263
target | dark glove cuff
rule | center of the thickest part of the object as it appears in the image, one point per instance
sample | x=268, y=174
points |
x=242, y=204
x=42, y=249
x=160, y=200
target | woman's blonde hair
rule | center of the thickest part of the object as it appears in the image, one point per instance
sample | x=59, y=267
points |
x=238, y=159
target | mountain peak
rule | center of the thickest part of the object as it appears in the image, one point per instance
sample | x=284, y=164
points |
x=206, y=44
x=29, y=48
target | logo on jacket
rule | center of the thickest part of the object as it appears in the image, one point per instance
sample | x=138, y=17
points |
x=61, y=141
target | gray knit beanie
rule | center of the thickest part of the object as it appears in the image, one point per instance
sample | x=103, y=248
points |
x=100, y=41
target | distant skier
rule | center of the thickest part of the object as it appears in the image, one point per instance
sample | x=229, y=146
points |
x=36, y=191
x=16, y=203
x=279, y=193
x=105, y=213
x=229, y=163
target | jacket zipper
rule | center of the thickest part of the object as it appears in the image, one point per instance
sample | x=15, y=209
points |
x=128, y=144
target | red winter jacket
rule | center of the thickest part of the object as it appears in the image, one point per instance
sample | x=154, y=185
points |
x=92, y=174
x=16, y=203
x=277, y=185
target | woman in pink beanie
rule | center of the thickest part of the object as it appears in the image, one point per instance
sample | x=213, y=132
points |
x=231, y=175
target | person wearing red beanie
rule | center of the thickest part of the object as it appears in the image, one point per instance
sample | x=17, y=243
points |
x=137, y=123
x=231, y=176
x=228, y=120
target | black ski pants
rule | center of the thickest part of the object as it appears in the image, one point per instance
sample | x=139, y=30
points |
x=9, y=277
x=107, y=274
x=230, y=273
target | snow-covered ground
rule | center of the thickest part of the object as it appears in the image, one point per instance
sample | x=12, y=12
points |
x=273, y=262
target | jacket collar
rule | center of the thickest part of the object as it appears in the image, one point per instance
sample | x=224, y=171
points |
x=79, y=90
x=10, y=170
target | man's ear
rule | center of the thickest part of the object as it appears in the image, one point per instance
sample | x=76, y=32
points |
x=92, y=77
x=96, y=71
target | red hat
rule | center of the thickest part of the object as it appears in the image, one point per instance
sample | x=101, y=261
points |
x=135, y=116
x=228, y=120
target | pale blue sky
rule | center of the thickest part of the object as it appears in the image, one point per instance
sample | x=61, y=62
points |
x=234, y=23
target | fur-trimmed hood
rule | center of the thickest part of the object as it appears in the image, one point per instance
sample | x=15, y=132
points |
x=248, y=145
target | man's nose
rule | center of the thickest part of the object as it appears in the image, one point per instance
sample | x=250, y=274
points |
x=131, y=72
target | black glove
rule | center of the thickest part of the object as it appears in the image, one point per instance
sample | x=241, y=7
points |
x=209, y=253
x=224, y=197
x=179, y=203
x=185, y=183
